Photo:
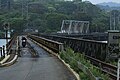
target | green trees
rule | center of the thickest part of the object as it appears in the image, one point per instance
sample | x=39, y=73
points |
x=14, y=19
x=66, y=7
x=47, y=15
x=100, y=23
x=115, y=19
x=17, y=24
x=54, y=21
x=37, y=8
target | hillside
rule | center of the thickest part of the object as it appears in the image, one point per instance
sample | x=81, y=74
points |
x=109, y=6
x=46, y=15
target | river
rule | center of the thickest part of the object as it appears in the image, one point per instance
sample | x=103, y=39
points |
x=2, y=42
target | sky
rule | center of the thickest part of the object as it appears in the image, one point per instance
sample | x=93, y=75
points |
x=101, y=1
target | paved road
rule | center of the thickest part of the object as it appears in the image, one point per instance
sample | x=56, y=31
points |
x=46, y=67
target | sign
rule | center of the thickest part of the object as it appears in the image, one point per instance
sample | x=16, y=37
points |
x=113, y=41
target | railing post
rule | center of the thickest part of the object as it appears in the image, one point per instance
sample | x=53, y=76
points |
x=61, y=48
x=3, y=51
x=19, y=47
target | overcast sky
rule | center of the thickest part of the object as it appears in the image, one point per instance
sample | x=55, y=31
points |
x=101, y=1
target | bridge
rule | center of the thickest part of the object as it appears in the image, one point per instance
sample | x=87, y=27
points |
x=32, y=63
x=40, y=59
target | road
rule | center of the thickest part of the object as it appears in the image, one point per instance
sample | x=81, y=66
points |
x=45, y=67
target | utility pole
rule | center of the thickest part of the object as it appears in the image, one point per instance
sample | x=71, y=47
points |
x=118, y=65
x=0, y=5
x=118, y=69
x=22, y=8
x=8, y=5
x=110, y=21
x=114, y=21
x=85, y=8
x=6, y=28
x=118, y=18
x=27, y=14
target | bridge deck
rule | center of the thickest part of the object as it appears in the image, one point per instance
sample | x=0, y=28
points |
x=45, y=67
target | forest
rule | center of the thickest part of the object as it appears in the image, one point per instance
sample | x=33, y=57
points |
x=46, y=15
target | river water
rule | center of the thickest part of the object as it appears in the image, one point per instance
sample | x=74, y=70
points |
x=3, y=42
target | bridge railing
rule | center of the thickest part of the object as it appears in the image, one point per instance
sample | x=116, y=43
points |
x=95, y=49
x=10, y=43
x=53, y=45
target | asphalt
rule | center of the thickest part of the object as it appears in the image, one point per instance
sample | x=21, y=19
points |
x=45, y=67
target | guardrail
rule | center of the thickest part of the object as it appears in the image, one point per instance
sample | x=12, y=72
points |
x=95, y=49
x=111, y=70
x=86, y=71
x=53, y=45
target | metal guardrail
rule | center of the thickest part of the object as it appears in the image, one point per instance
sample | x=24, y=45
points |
x=53, y=45
x=92, y=48
x=86, y=71
x=107, y=68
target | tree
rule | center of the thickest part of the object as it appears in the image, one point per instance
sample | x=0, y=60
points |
x=66, y=7
x=54, y=21
x=100, y=23
x=47, y=15
x=77, y=1
x=17, y=24
x=36, y=7
x=114, y=18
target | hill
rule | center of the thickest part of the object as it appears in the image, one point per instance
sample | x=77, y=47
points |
x=110, y=4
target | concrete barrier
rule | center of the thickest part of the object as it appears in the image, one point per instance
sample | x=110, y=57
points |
x=10, y=62
x=5, y=59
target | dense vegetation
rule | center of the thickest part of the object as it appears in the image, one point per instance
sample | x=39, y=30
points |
x=47, y=15
x=73, y=59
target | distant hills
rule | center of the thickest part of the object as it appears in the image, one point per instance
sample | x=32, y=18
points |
x=109, y=6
